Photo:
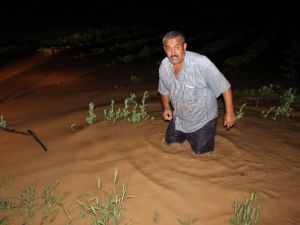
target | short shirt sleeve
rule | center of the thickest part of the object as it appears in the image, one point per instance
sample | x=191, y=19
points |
x=162, y=87
x=215, y=79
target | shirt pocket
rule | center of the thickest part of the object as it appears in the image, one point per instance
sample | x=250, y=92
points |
x=189, y=93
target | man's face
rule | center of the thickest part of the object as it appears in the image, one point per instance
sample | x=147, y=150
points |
x=175, y=50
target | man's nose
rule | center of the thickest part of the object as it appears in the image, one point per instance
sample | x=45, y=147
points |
x=173, y=52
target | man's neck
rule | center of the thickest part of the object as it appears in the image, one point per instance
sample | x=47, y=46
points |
x=177, y=68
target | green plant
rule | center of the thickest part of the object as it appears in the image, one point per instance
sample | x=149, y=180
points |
x=3, y=123
x=246, y=213
x=50, y=198
x=269, y=91
x=6, y=203
x=155, y=216
x=135, y=79
x=240, y=112
x=127, y=58
x=3, y=221
x=266, y=113
x=187, y=221
x=131, y=111
x=105, y=208
x=287, y=99
x=140, y=114
x=49, y=51
x=27, y=198
x=91, y=118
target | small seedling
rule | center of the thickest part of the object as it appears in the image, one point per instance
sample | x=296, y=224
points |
x=240, y=112
x=287, y=100
x=155, y=216
x=246, y=213
x=91, y=118
x=27, y=198
x=3, y=123
x=3, y=221
x=132, y=111
x=106, y=206
x=135, y=79
x=187, y=221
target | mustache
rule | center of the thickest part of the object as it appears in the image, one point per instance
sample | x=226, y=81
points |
x=174, y=56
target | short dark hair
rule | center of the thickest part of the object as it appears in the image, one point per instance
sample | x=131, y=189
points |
x=173, y=34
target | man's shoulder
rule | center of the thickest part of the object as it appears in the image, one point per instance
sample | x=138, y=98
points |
x=196, y=56
x=164, y=61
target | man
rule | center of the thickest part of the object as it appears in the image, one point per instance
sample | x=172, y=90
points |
x=189, y=84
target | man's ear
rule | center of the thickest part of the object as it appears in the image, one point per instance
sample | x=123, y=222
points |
x=185, y=45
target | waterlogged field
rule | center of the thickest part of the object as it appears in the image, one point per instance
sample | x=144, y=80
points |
x=89, y=94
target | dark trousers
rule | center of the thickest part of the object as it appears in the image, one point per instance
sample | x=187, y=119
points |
x=201, y=140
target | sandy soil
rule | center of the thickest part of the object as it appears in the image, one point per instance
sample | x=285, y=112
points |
x=51, y=95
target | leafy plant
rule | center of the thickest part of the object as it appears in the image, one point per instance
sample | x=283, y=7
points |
x=27, y=198
x=287, y=99
x=3, y=123
x=269, y=91
x=187, y=221
x=135, y=79
x=91, y=118
x=127, y=58
x=105, y=208
x=240, y=112
x=246, y=213
x=155, y=216
x=50, y=198
x=131, y=111
x=3, y=221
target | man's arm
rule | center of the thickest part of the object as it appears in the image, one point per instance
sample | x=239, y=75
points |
x=167, y=112
x=229, y=119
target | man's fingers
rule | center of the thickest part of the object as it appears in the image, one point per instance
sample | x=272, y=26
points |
x=169, y=117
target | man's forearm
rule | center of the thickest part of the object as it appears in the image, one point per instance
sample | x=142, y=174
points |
x=165, y=102
x=227, y=95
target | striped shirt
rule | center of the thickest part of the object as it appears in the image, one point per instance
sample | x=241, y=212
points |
x=194, y=92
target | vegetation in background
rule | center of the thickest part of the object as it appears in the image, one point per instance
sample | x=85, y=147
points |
x=285, y=107
x=290, y=65
x=252, y=52
x=281, y=101
x=240, y=112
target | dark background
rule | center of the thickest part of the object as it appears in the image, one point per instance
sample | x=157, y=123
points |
x=279, y=21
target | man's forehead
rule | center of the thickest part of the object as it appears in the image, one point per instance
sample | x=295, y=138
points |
x=174, y=41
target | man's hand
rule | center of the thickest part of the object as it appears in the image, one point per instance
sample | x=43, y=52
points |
x=229, y=120
x=167, y=114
